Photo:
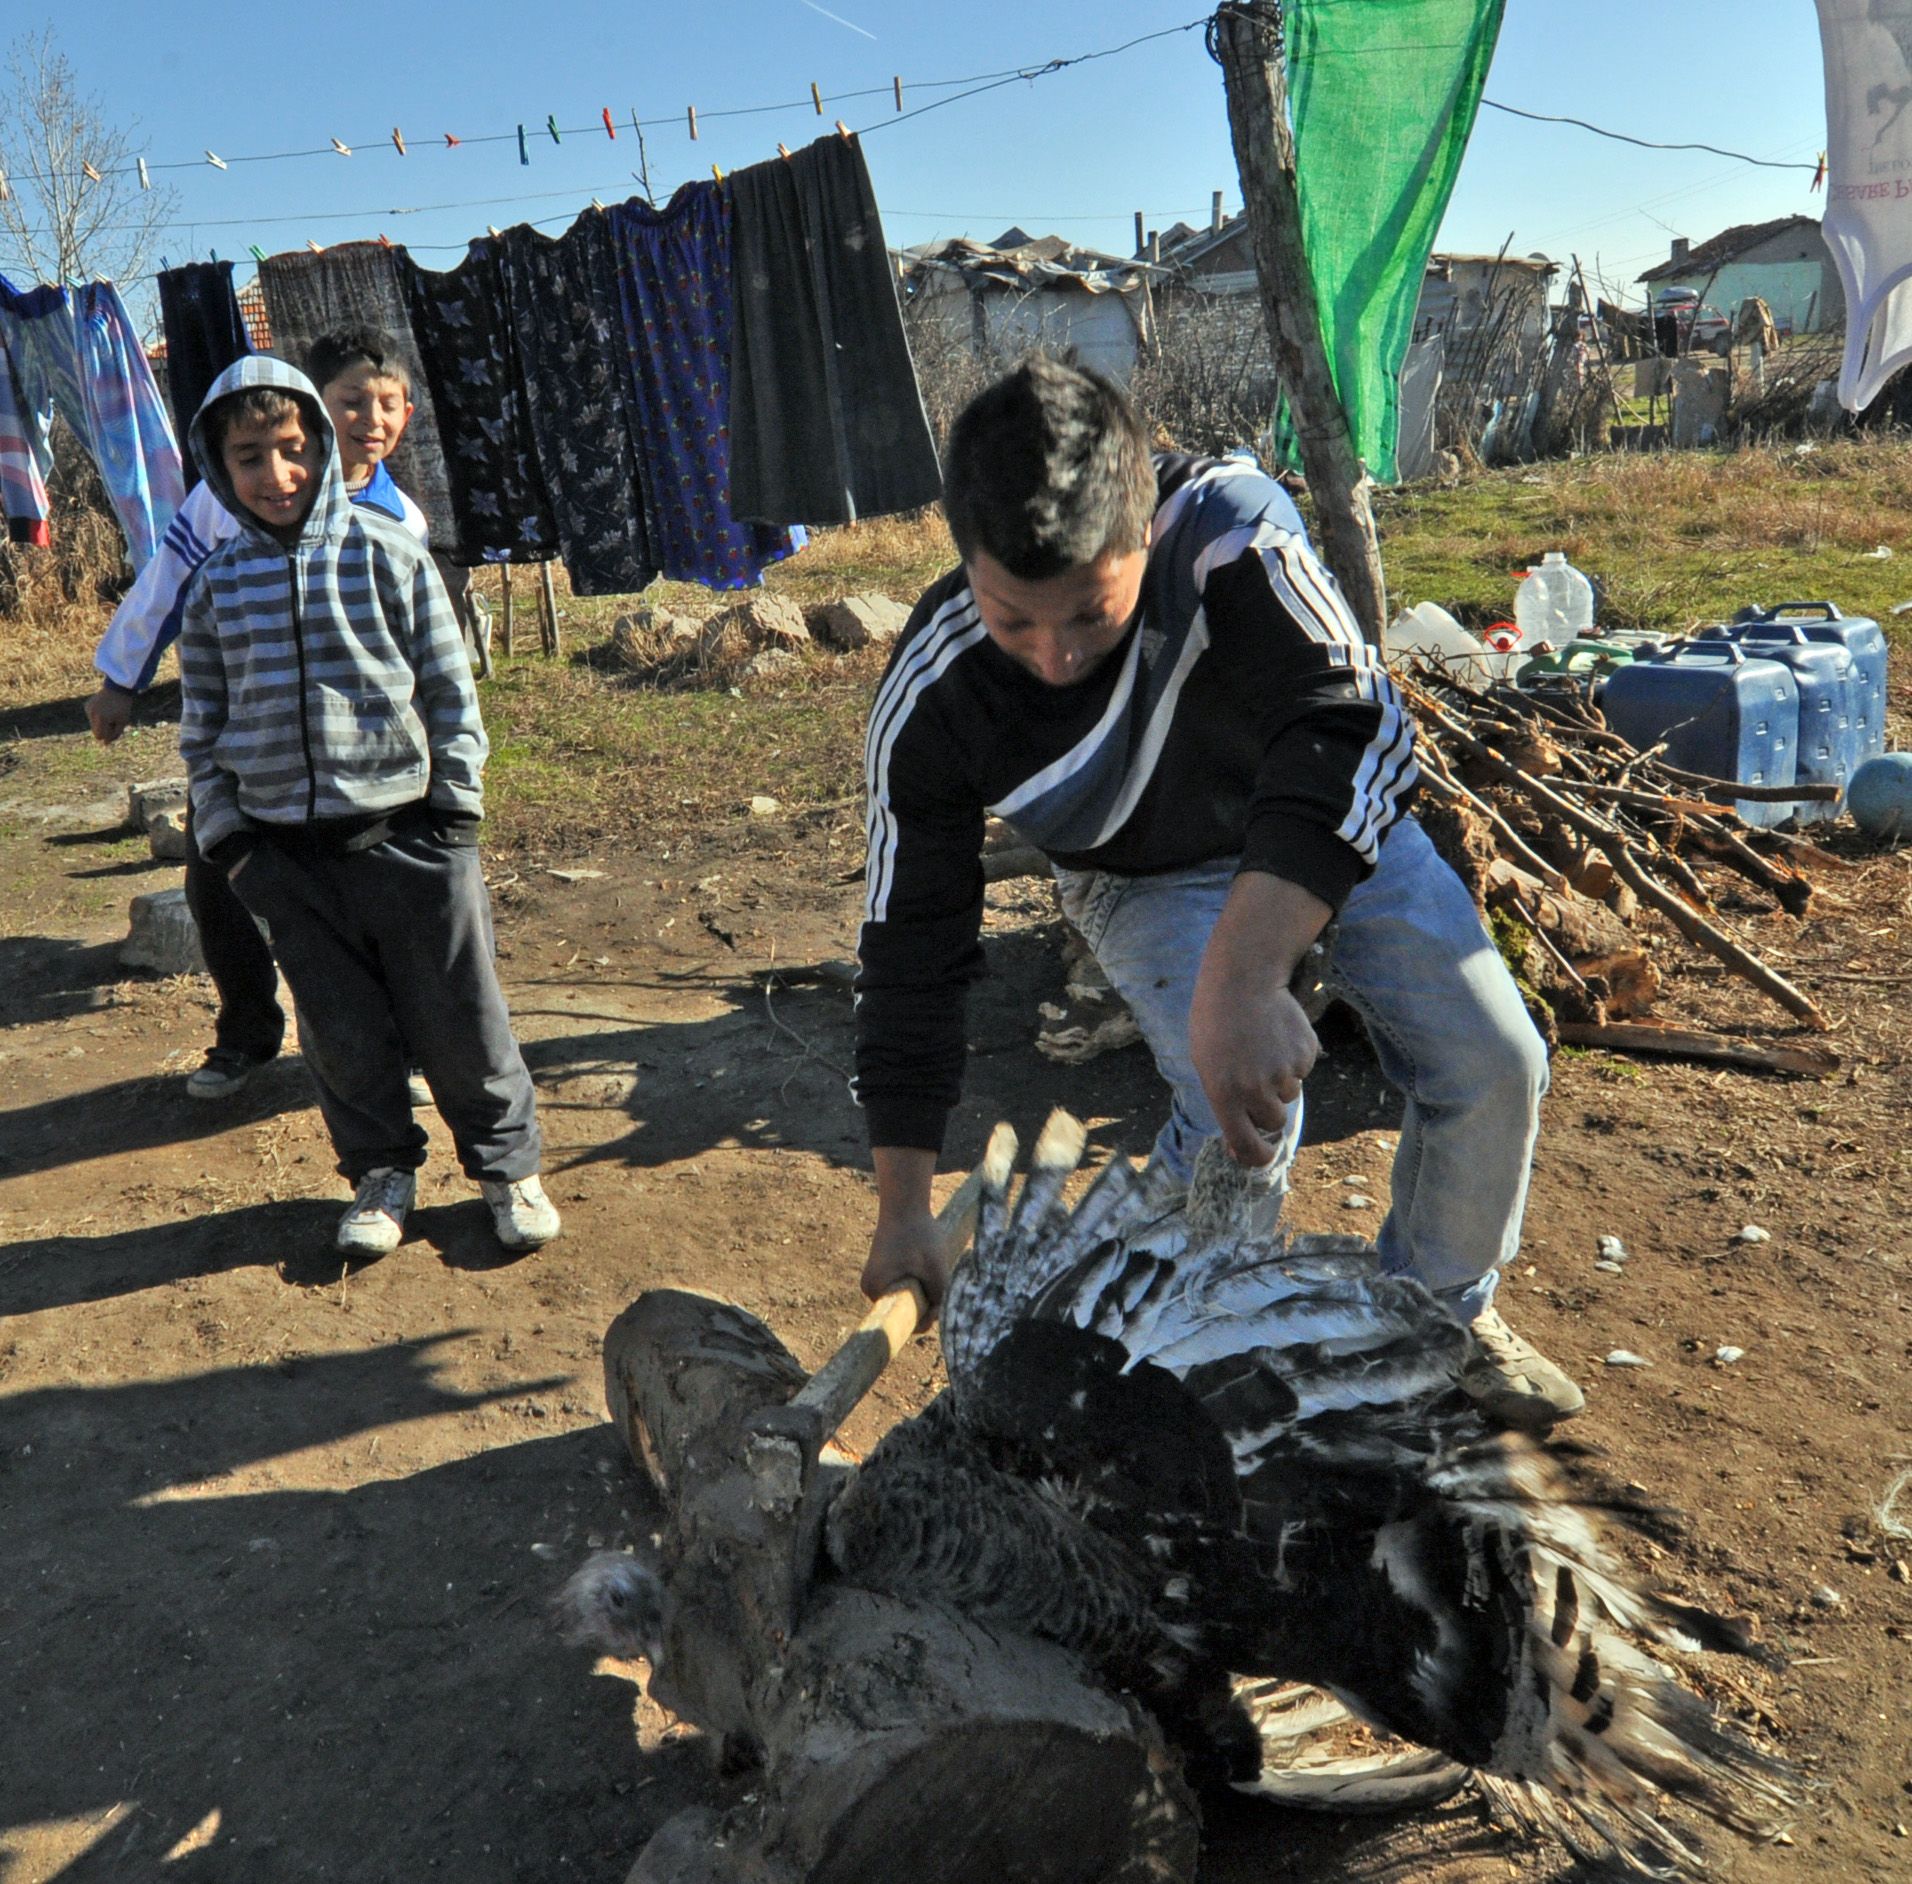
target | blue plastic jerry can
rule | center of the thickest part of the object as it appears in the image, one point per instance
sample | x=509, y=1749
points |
x=1827, y=752
x=1864, y=640
x=1718, y=710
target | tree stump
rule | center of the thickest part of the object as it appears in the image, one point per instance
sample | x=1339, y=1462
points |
x=897, y=1739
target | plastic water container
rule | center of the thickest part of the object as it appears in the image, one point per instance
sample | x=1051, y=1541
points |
x=1864, y=640
x=1585, y=658
x=1827, y=752
x=1554, y=601
x=1427, y=628
x=1720, y=712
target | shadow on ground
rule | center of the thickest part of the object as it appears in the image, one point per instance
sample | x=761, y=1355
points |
x=344, y=1685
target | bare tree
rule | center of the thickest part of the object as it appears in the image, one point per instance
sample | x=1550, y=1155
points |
x=72, y=202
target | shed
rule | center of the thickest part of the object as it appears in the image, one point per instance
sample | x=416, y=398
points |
x=1022, y=292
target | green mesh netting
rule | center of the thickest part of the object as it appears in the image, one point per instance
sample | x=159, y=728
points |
x=1383, y=95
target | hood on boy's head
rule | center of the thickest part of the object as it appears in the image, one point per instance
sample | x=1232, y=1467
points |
x=261, y=369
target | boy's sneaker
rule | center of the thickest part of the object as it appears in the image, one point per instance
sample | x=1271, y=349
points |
x=521, y=1213
x=418, y=1092
x=375, y=1224
x=226, y=1069
x=1514, y=1382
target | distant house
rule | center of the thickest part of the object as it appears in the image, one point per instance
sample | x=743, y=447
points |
x=1023, y=291
x=1784, y=262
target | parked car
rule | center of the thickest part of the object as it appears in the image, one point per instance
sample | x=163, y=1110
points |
x=1694, y=327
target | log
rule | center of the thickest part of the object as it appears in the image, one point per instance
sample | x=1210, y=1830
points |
x=1248, y=46
x=1692, y=1043
x=896, y=1739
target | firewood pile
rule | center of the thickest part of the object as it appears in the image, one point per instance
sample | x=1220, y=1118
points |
x=1567, y=835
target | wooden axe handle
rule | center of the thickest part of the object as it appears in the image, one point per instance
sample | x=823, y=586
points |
x=835, y=1388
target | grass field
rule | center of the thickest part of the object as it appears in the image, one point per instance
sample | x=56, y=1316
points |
x=582, y=753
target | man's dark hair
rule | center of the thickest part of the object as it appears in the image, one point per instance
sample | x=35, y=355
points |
x=259, y=405
x=336, y=353
x=1047, y=470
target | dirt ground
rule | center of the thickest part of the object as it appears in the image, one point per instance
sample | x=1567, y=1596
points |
x=276, y=1542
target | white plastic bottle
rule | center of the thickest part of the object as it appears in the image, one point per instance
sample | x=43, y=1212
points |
x=1554, y=602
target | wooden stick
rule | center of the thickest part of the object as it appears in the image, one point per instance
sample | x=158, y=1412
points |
x=1511, y=841
x=547, y=609
x=1688, y=1043
x=506, y=598
x=833, y=1391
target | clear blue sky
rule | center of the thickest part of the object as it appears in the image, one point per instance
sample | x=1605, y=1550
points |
x=1076, y=152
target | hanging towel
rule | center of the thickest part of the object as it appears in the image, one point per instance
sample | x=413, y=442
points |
x=568, y=350
x=1868, y=222
x=38, y=326
x=356, y=284
x=500, y=506
x=827, y=423
x=1384, y=99
x=205, y=332
x=673, y=279
x=131, y=436
x=23, y=496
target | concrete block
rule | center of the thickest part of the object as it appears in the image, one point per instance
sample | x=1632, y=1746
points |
x=163, y=935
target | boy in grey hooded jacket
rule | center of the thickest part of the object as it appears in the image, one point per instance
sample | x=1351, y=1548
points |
x=334, y=752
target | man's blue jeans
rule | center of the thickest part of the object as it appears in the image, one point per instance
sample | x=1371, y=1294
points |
x=1411, y=957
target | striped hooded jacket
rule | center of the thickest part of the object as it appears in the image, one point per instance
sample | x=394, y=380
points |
x=1243, y=717
x=327, y=684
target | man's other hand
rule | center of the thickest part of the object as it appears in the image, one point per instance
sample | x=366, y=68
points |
x=109, y=712
x=908, y=1250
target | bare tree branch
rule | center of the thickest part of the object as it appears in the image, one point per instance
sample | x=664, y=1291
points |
x=58, y=222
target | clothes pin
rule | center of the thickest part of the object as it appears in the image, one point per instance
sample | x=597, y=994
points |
x=547, y=609
x=898, y=83
x=524, y=156
x=504, y=601
x=843, y=130
x=6, y=196
x=452, y=143
x=87, y=170
x=398, y=140
x=715, y=172
x=313, y=246
x=217, y=162
x=551, y=125
x=344, y=150
x=816, y=97
x=258, y=254
x=691, y=112
x=783, y=151
x=610, y=130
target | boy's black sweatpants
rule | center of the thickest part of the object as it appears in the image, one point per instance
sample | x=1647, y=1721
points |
x=250, y=1018
x=387, y=951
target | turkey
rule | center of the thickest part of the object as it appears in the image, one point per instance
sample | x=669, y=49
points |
x=1191, y=1455
x=1212, y=1466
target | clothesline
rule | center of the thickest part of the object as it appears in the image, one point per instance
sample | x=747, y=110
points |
x=526, y=135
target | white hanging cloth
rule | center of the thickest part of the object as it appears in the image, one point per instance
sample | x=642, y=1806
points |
x=1868, y=222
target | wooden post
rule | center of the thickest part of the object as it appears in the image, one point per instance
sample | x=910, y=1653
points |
x=547, y=609
x=1247, y=42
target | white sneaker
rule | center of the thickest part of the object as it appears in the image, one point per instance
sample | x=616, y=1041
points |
x=375, y=1224
x=418, y=1092
x=521, y=1213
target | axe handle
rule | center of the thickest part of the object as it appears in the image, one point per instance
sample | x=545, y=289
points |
x=835, y=1388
